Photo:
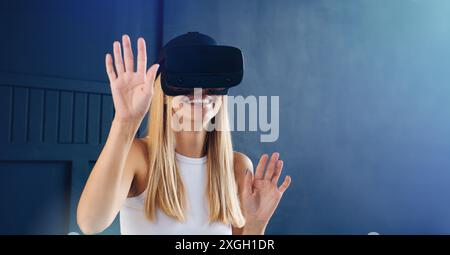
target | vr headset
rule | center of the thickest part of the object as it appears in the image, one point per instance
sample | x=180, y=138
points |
x=194, y=60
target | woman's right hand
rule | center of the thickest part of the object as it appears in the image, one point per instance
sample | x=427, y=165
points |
x=132, y=90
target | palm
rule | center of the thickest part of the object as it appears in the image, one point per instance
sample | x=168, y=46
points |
x=261, y=194
x=130, y=97
x=132, y=90
x=264, y=200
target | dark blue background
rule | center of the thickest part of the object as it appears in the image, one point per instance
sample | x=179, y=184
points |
x=364, y=104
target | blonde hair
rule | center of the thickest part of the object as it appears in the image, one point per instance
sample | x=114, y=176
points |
x=165, y=186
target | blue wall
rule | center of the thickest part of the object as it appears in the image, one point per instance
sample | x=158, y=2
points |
x=56, y=105
x=364, y=104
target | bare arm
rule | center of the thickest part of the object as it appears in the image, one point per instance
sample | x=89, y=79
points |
x=110, y=180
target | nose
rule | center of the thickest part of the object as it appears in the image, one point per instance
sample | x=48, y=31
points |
x=204, y=92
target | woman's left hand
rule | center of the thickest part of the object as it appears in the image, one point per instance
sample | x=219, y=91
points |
x=261, y=194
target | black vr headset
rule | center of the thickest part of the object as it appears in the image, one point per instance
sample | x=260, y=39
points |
x=194, y=60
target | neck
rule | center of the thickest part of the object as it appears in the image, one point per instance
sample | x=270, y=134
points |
x=191, y=143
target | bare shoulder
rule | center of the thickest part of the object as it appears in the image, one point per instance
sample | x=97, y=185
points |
x=138, y=150
x=241, y=163
x=137, y=162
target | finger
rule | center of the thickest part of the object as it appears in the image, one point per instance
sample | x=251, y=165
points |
x=118, y=61
x=248, y=187
x=285, y=184
x=142, y=56
x=277, y=173
x=150, y=78
x=259, y=173
x=110, y=68
x=127, y=54
x=271, y=167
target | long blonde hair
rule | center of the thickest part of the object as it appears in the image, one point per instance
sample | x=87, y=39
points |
x=165, y=186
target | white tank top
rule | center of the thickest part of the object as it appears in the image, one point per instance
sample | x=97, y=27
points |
x=194, y=175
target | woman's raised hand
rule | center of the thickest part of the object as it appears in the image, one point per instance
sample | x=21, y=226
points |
x=261, y=193
x=132, y=90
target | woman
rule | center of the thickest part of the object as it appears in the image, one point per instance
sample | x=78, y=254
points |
x=173, y=181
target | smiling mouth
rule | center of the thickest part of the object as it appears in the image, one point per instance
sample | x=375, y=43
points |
x=198, y=101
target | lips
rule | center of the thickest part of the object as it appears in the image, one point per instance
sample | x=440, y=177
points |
x=199, y=101
x=191, y=100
